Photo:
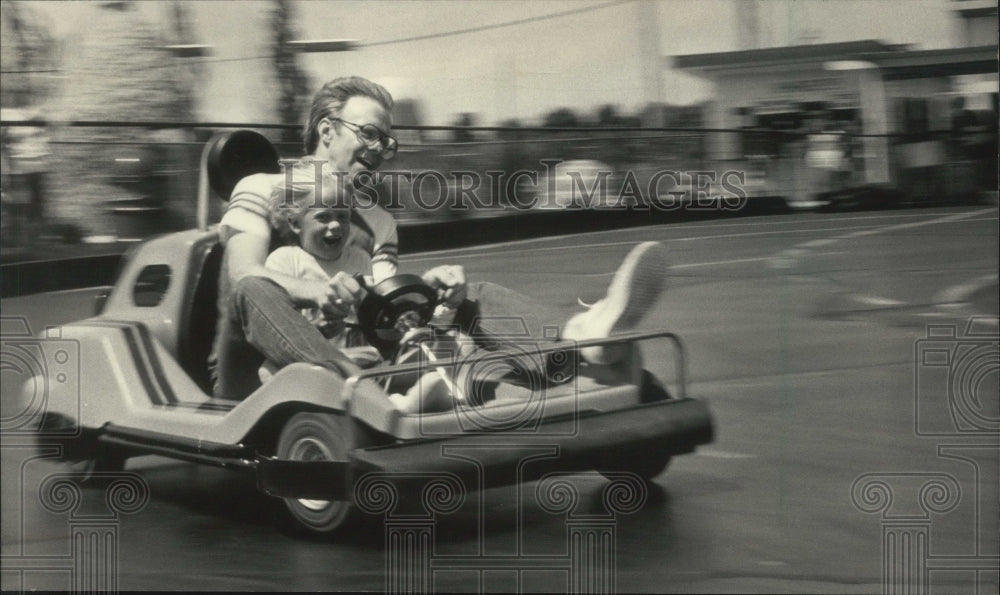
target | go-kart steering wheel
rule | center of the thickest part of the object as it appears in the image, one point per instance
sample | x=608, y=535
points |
x=394, y=306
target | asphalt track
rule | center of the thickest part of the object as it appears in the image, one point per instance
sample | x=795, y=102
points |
x=837, y=439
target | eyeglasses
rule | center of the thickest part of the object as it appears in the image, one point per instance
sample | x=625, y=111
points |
x=373, y=138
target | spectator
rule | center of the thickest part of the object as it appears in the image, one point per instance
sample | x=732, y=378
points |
x=27, y=155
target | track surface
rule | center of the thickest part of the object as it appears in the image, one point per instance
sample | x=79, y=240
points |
x=803, y=333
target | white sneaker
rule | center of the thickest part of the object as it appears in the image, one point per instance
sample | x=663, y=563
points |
x=634, y=290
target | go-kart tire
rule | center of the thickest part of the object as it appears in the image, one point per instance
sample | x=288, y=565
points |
x=95, y=472
x=316, y=437
x=643, y=463
x=82, y=455
x=650, y=467
x=106, y=462
x=652, y=389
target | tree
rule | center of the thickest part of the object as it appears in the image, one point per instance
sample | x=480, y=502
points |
x=293, y=82
x=562, y=118
x=607, y=115
x=120, y=70
x=464, y=121
x=181, y=32
x=28, y=56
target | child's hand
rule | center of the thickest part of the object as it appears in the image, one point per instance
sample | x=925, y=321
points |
x=343, y=293
x=336, y=298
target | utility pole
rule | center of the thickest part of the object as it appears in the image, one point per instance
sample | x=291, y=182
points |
x=747, y=24
x=650, y=62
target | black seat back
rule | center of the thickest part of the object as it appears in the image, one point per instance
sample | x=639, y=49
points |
x=198, y=324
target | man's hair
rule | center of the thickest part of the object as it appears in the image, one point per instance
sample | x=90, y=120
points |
x=330, y=100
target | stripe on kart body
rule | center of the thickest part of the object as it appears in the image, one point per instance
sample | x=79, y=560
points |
x=154, y=363
x=150, y=370
x=141, y=348
x=138, y=361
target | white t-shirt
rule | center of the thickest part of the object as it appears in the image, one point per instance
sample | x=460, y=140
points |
x=373, y=229
x=296, y=262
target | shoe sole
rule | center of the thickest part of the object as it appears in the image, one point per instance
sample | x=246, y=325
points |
x=635, y=288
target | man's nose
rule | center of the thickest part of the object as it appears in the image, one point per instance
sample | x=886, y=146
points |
x=374, y=156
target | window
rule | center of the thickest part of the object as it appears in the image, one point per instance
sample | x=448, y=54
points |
x=151, y=285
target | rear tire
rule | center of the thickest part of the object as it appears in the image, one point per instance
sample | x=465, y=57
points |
x=100, y=464
x=652, y=389
x=650, y=467
x=82, y=454
x=317, y=437
x=645, y=463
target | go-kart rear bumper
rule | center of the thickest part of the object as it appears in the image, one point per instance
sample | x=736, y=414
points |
x=586, y=441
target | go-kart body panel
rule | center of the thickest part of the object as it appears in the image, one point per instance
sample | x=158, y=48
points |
x=156, y=283
x=136, y=381
x=589, y=441
x=133, y=382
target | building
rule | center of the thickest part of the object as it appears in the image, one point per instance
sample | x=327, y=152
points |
x=893, y=102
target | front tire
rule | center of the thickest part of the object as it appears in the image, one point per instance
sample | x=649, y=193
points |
x=317, y=437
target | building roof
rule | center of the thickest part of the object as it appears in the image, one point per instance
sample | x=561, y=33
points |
x=969, y=9
x=896, y=61
x=930, y=63
x=787, y=54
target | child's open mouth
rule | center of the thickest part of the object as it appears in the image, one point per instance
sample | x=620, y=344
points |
x=332, y=241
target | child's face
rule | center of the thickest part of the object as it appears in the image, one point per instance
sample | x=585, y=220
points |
x=323, y=232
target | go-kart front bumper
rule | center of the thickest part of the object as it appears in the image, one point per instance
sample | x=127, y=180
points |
x=588, y=440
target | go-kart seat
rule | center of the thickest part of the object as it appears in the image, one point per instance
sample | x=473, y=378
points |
x=228, y=157
x=197, y=331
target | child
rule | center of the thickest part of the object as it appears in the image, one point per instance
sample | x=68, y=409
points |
x=323, y=250
x=323, y=233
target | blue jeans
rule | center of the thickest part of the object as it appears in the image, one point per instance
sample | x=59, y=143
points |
x=261, y=322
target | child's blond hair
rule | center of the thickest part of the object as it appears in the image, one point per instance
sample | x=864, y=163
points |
x=297, y=193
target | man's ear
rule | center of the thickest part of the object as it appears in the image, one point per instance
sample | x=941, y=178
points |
x=325, y=130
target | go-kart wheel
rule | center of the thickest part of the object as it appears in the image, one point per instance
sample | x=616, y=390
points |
x=106, y=462
x=649, y=467
x=82, y=454
x=96, y=471
x=645, y=463
x=316, y=437
x=652, y=389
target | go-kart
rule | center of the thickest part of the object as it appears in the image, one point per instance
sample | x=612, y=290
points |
x=134, y=380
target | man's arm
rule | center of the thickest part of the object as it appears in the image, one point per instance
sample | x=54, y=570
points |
x=245, y=257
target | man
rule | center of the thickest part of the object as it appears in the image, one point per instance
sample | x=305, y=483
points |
x=347, y=136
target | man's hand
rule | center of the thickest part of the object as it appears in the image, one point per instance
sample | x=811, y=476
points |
x=449, y=280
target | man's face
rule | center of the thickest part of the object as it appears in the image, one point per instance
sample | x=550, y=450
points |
x=346, y=152
x=323, y=232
